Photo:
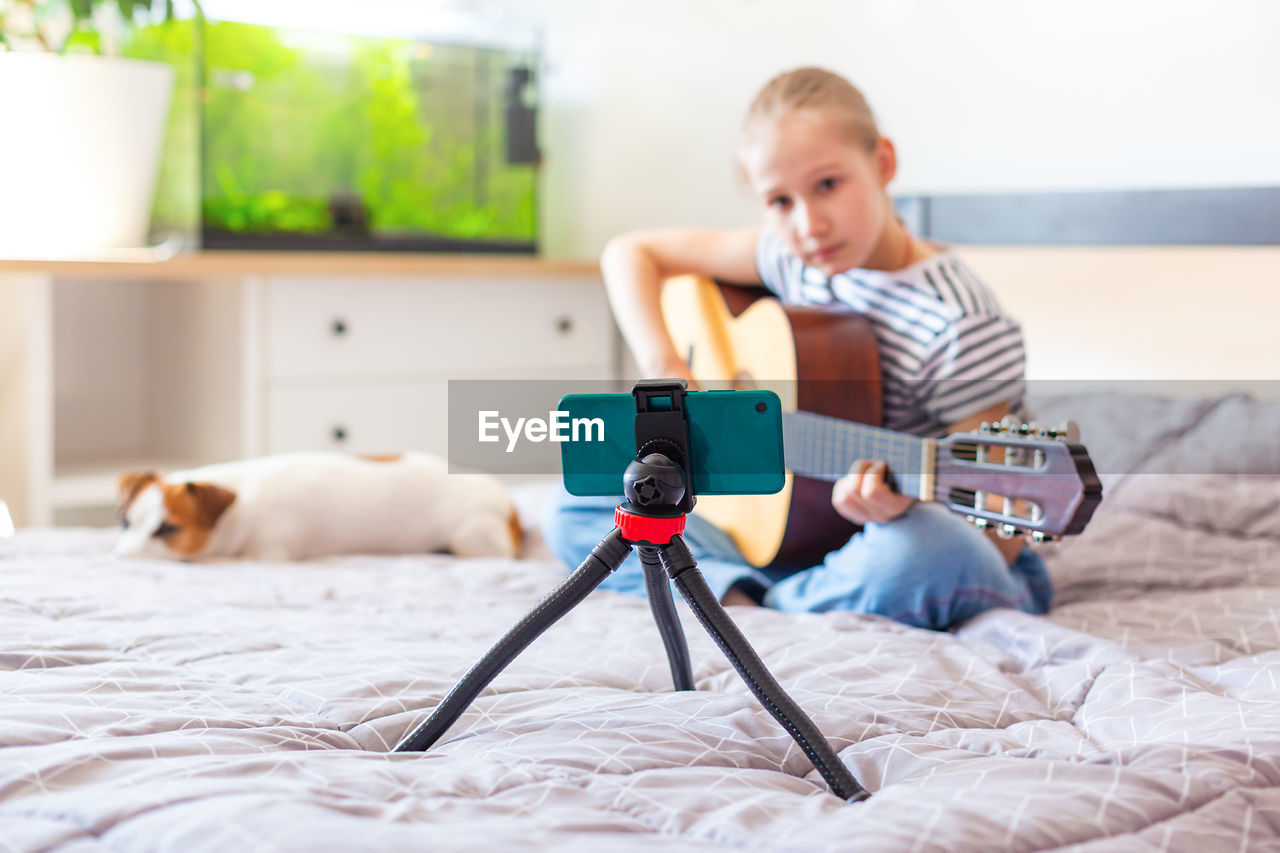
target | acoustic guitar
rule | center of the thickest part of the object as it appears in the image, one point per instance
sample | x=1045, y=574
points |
x=823, y=365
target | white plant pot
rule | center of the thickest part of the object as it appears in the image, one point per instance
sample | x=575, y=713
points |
x=80, y=140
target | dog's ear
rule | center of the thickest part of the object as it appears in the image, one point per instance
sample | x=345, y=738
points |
x=211, y=501
x=517, y=533
x=132, y=483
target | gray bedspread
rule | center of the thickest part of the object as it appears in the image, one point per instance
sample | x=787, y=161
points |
x=250, y=706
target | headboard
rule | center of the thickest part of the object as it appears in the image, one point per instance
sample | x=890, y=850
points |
x=1170, y=285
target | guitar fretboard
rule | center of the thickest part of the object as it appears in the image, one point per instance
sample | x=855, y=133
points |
x=823, y=448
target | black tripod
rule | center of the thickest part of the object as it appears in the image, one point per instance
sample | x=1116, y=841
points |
x=650, y=520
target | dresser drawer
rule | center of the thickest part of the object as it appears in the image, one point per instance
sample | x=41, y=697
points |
x=388, y=416
x=369, y=419
x=440, y=327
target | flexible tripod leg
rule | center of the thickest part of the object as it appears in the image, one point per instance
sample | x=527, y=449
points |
x=680, y=566
x=658, y=587
x=603, y=559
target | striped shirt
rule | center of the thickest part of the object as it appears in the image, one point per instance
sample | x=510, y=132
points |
x=947, y=351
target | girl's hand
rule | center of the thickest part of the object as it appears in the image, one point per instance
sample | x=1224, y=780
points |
x=863, y=496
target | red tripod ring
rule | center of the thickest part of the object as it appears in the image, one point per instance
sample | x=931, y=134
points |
x=644, y=528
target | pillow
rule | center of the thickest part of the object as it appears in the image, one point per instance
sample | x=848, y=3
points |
x=1222, y=475
x=1120, y=430
x=1239, y=435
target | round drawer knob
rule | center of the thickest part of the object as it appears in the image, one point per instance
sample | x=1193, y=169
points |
x=339, y=327
x=339, y=433
x=564, y=324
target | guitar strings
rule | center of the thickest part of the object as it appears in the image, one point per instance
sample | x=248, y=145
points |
x=824, y=447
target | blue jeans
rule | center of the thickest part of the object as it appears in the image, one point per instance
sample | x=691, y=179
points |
x=928, y=567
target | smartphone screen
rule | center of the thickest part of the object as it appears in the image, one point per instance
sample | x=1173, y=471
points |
x=735, y=440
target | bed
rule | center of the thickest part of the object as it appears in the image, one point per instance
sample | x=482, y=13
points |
x=243, y=706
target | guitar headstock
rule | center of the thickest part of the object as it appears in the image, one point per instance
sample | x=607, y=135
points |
x=1019, y=478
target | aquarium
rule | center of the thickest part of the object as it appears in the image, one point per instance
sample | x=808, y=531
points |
x=293, y=138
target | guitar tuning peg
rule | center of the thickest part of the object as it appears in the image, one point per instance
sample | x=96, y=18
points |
x=984, y=427
x=980, y=523
x=1036, y=536
x=1069, y=432
x=1006, y=531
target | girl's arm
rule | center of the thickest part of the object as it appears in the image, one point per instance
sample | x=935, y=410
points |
x=634, y=265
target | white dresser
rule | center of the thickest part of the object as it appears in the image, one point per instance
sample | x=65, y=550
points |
x=364, y=364
x=114, y=367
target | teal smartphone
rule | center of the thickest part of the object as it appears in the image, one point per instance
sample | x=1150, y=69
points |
x=735, y=439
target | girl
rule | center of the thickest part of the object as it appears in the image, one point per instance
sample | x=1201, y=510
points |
x=813, y=158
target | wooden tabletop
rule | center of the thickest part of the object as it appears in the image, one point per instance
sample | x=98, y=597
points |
x=150, y=264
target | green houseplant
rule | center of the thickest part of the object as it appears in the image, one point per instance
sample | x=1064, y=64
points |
x=61, y=26
x=87, y=126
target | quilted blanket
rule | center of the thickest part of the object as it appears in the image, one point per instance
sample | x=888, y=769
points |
x=150, y=705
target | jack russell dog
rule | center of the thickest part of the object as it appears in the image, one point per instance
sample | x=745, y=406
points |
x=296, y=506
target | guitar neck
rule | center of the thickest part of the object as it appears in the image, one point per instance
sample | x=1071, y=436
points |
x=823, y=448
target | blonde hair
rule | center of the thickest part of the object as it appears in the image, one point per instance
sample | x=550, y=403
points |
x=821, y=91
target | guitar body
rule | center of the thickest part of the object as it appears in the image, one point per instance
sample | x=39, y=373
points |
x=821, y=360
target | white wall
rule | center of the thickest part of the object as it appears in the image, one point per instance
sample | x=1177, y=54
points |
x=641, y=100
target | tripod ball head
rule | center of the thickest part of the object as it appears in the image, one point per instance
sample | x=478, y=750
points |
x=654, y=481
